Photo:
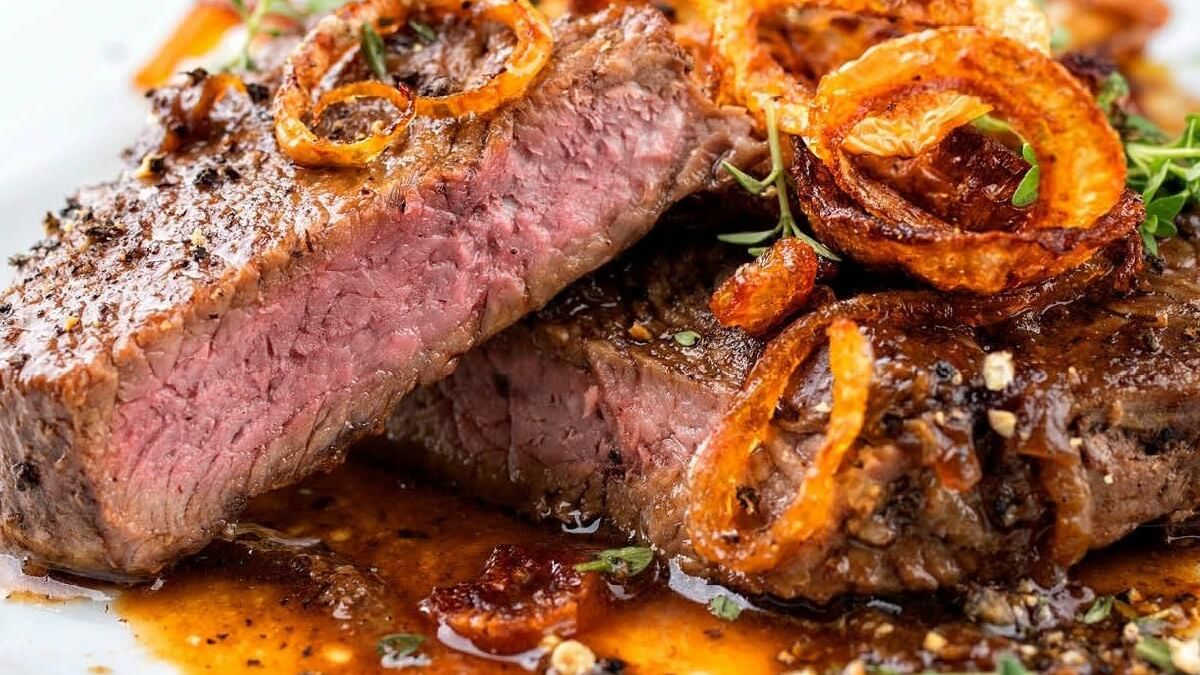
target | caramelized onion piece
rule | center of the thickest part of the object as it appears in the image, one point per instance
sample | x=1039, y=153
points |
x=1081, y=157
x=522, y=595
x=310, y=63
x=762, y=293
x=752, y=76
x=720, y=466
x=181, y=124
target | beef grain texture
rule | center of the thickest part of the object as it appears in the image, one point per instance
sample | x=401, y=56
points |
x=182, y=343
x=566, y=415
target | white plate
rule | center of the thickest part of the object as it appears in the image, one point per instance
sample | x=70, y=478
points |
x=68, y=110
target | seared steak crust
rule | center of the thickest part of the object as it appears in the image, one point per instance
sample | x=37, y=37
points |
x=225, y=325
x=567, y=415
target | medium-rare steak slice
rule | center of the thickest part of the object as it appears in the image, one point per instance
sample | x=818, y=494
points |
x=188, y=339
x=569, y=415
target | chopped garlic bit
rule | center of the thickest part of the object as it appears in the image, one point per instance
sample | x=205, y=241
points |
x=572, y=658
x=198, y=239
x=71, y=323
x=934, y=642
x=998, y=371
x=1003, y=422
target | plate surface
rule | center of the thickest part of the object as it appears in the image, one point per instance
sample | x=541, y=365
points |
x=69, y=110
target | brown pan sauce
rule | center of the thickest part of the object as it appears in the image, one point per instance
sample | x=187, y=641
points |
x=260, y=607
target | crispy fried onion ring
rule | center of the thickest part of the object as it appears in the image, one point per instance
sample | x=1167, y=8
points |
x=753, y=77
x=310, y=63
x=1080, y=155
x=720, y=468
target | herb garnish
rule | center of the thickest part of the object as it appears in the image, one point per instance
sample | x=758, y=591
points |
x=1166, y=172
x=399, y=645
x=787, y=226
x=373, y=51
x=1156, y=652
x=1100, y=610
x=725, y=608
x=625, y=562
x=1026, y=193
x=687, y=338
x=423, y=31
x=253, y=20
x=1008, y=664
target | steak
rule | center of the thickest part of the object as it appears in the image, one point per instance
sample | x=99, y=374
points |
x=571, y=416
x=227, y=325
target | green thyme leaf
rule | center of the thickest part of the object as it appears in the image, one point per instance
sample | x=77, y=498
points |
x=1010, y=665
x=725, y=608
x=1027, y=191
x=399, y=645
x=1155, y=652
x=1100, y=610
x=423, y=31
x=626, y=562
x=747, y=238
x=373, y=50
x=1167, y=208
x=687, y=338
x=750, y=183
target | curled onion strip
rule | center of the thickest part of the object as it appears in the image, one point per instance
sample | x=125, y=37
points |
x=753, y=77
x=535, y=44
x=719, y=467
x=1080, y=155
x=1020, y=20
x=310, y=63
x=195, y=119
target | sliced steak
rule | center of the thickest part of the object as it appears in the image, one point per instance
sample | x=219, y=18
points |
x=567, y=415
x=227, y=325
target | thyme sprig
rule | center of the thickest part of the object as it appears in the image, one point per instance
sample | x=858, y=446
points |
x=777, y=178
x=253, y=17
x=1166, y=172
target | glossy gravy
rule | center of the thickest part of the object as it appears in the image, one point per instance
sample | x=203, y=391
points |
x=223, y=615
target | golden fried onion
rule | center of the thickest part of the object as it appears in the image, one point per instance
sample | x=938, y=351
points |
x=720, y=466
x=753, y=77
x=1080, y=156
x=337, y=34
